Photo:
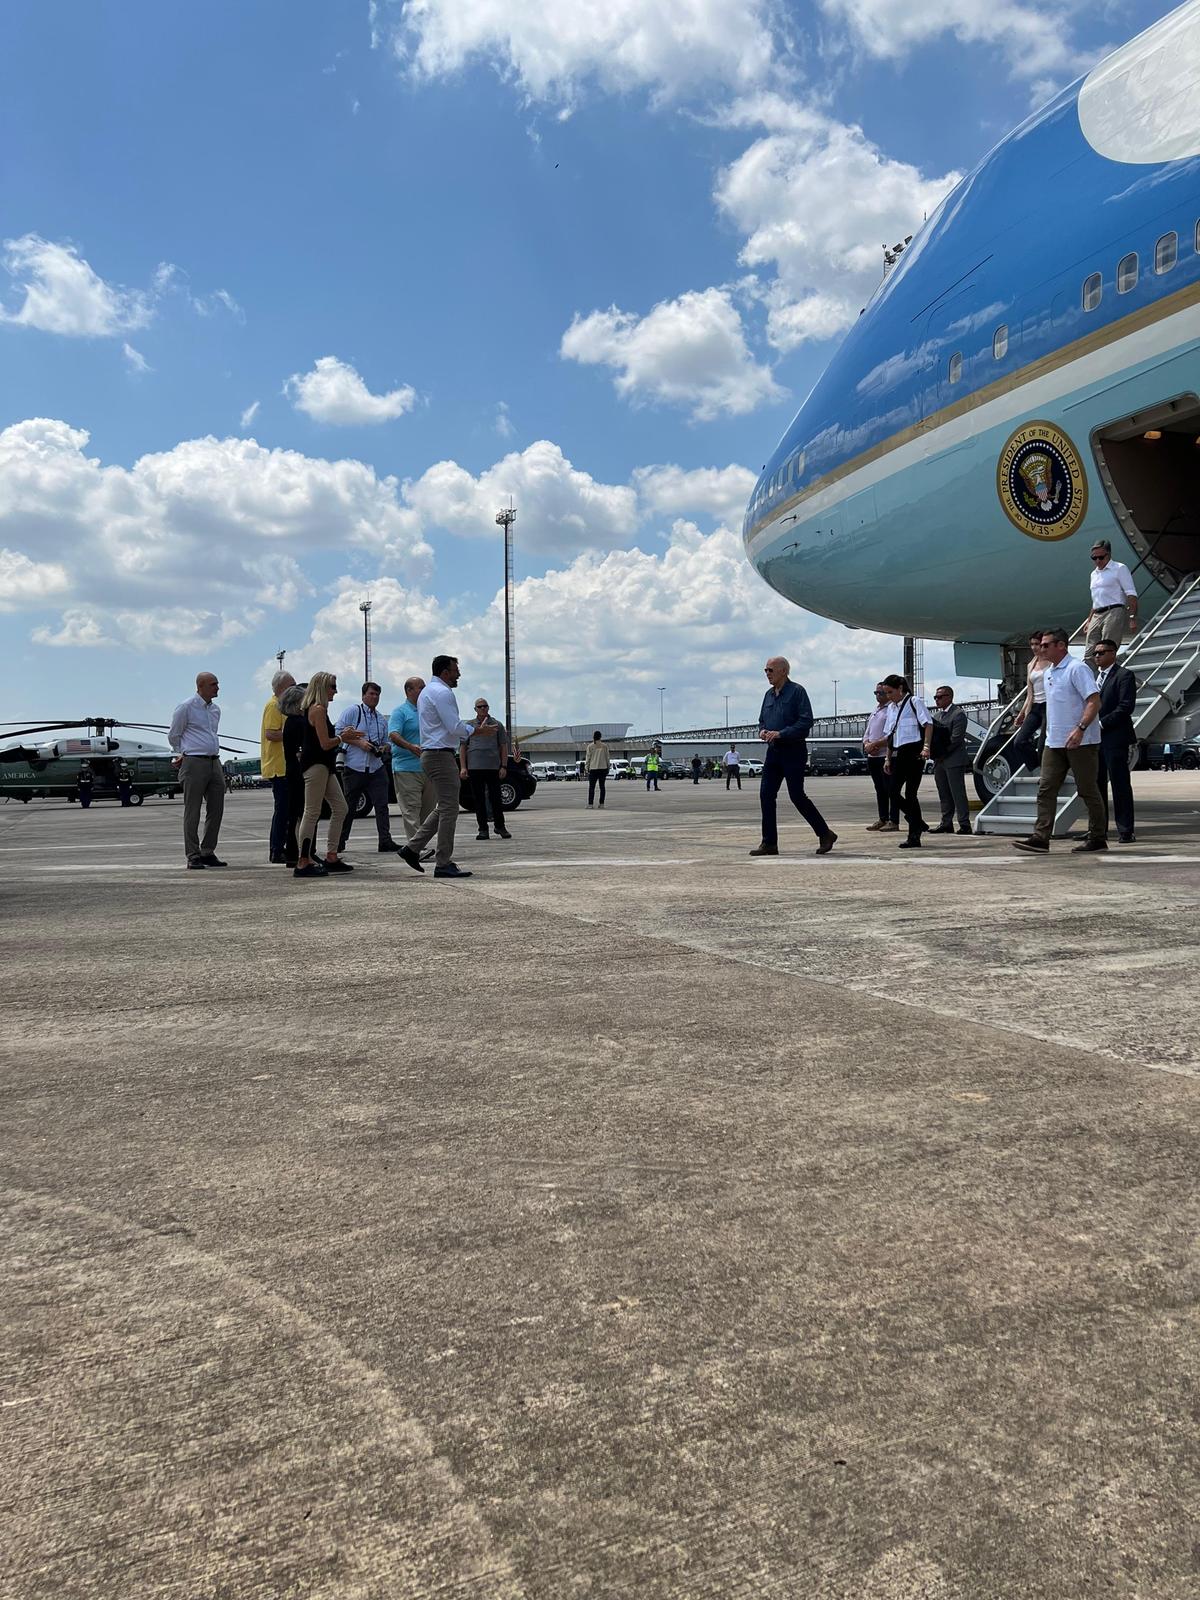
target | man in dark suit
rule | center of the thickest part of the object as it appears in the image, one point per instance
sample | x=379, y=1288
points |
x=783, y=724
x=1118, y=692
x=950, y=769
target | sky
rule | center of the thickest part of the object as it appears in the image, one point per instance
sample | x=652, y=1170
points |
x=295, y=295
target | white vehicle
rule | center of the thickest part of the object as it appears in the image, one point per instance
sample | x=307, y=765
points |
x=546, y=771
x=618, y=769
x=751, y=767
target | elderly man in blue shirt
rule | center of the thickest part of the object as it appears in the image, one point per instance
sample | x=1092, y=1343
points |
x=783, y=725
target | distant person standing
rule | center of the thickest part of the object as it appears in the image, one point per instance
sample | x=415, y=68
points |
x=193, y=735
x=732, y=762
x=414, y=792
x=1114, y=601
x=442, y=731
x=596, y=764
x=1031, y=719
x=909, y=734
x=697, y=768
x=1072, y=745
x=1118, y=696
x=950, y=766
x=291, y=703
x=366, y=772
x=875, y=750
x=1168, y=757
x=784, y=721
x=273, y=765
x=652, y=766
x=483, y=758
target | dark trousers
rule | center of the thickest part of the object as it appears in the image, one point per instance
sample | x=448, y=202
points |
x=651, y=778
x=1025, y=743
x=908, y=768
x=598, y=777
x=378, y=791
x=1114, y=771
x=889, y=808
x=732, y=773
x=485, y=786
x=279, y=817
x=775, y=773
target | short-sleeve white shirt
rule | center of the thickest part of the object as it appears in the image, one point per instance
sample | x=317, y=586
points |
x=1068, y=686
x=1111, y=584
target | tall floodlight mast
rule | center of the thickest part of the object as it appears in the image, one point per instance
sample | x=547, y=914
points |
x=365, y=608
x=505, y=520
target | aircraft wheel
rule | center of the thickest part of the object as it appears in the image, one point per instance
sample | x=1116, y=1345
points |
x=362, y=805
x=136, y=799
x=993, y=773
x=509, y=798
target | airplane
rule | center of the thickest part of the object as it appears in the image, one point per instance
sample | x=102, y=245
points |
x=1025, y=380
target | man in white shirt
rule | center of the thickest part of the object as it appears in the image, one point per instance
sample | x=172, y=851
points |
x=733, y=767
x=193, y=736
x=365, y=767
x=1114, y=601
x=1072, y=745
x=442, y=731
x=875, y=749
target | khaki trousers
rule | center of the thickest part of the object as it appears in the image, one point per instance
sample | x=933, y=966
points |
x=441, y=768
x=416, y=799
x=203, y=784
x=321, y=784
x=1112, y=624
x=1084, y=764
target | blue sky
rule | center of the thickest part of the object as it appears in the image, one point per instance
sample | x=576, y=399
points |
x=294, y=295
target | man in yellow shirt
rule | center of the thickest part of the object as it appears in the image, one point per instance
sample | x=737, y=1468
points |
x=273, y=764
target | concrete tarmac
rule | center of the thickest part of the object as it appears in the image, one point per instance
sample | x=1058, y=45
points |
x=635, y=1219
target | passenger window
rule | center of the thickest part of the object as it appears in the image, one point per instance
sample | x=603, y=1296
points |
x=1196, y=238
x=1000, y=342
x=1166, y=252
x=799, y=466
x=1127, y=272
x=956, y=366
x=1093, y=287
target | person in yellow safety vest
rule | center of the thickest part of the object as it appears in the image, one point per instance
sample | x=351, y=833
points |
x=652, y=763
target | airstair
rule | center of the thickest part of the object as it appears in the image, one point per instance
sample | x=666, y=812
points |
x=1165, y=660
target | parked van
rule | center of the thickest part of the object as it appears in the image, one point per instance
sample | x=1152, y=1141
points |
x=547, y=771
x=618, y=769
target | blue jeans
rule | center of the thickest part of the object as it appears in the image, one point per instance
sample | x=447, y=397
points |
x=279, y=817
x=775, y=774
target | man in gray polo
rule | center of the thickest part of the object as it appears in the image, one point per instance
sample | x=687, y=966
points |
x=193, y=736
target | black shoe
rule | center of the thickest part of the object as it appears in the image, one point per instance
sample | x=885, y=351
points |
x=211, y=861
x=276, y=860
x=503, y=833
x=945, y=827
x=410, y=857
x=195, y=865
x=290, y=861
x=450, y=871
x=483, y=834
x=428, y=855
x=338, y=866
x=1088, y=846
x=925, y=828
x=1126, y=838
x=313, y=870
x=909, y=844
x=966, y=830
x=766, y=850
x=1032, y=846
x=827, y=842
x=389, y=847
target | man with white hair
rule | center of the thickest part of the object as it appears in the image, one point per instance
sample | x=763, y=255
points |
x=193, y=736
x=273, y=765
x=783, y=725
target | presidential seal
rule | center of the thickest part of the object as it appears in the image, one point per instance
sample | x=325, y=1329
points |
x=1041, y=482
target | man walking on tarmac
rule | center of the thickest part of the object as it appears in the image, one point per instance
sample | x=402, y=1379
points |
x=1072, y=745
x=783, y=724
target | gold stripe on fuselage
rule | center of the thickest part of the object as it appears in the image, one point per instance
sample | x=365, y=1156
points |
x=1133, y=323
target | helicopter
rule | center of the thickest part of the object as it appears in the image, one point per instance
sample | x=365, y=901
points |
x=96, y=766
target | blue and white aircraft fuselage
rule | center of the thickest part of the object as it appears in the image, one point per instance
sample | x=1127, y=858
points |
x=1025, y=381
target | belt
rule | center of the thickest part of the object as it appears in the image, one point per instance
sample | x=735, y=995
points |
x=1099, y=611
x=195, y=755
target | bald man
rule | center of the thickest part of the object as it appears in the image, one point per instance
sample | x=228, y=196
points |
x=193, y=736
x=783, y=724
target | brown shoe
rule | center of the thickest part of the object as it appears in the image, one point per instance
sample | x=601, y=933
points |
x=766, y=850
x=874, y=827
x=889, y=827
x=827, y=843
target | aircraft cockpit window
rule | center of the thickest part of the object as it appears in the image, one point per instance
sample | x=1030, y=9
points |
x=1127, y=272
x=1000, y=342
x=1166, y=252
x=1093, y=288
x=956, y=366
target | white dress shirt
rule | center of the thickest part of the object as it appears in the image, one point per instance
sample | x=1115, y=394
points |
x=193, y=730
x=1110, y=585
x=441, y=726
x=911, y=715
x=732, y=759
x=1068, y=686
x=876, y=725
x=376, y=729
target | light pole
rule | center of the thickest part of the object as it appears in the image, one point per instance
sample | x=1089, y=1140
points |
x=726, y=713
x=835, y=684
x=279, y=655
x=505, y=520
x=365, y=608
x=662, y=726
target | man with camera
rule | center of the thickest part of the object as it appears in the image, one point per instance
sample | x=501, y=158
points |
x=366, y=767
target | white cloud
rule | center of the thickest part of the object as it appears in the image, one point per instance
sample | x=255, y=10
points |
x=24, y=582
x=816, y=200
x=1034, y=39
x=686, y=352
x=559, y=506
x=249, y=415
x=63, y=295
x=503, y=422
x=333, y=392
x=172, y=280
x=718, y=492
x=550, y=51
x=135, y=360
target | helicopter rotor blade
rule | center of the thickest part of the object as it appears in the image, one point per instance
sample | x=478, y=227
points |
x=12, y=731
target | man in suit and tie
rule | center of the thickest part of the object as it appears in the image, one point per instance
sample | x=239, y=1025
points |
x=1118, y=692
x=950, y=769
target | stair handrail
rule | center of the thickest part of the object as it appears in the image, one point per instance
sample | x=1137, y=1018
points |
x=1187, y=642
